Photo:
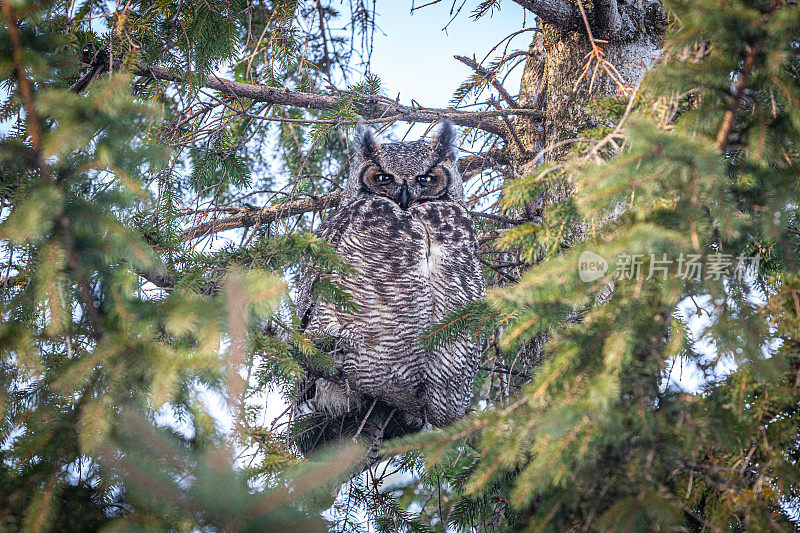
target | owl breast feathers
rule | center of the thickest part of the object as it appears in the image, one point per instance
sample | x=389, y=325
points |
x=403, y=225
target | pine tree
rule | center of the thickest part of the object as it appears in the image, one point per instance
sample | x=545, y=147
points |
x=165, y=162
x=702, y=163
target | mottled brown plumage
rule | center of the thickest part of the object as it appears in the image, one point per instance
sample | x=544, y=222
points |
x=404, y=226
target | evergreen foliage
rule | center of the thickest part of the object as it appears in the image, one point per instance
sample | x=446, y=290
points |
x=120, y=328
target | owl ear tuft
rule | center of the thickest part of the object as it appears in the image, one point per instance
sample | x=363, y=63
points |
x=365, y=143
x=445, y=141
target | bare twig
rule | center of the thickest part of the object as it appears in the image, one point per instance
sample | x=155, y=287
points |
x=741, y=85
x=500, y=369
x=491, y=77
x=432, y=2
x=598, y=55
x=512, y=131
x=369, y=412
x=367, y=105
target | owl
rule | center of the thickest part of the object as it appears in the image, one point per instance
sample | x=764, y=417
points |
x=404, y=227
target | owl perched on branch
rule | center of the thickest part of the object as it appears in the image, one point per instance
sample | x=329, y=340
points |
x=404, y=227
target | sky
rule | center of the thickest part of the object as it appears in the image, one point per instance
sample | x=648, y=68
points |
x=414, y=55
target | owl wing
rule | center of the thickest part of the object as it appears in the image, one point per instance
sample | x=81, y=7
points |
x=331, y=229
x=376, y=345
x=317, y=395
x=455, y=279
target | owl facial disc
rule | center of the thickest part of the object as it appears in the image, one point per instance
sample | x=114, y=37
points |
x=407, y=173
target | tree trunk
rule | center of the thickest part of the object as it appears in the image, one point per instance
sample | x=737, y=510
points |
x=553, y=80
x=554, y=83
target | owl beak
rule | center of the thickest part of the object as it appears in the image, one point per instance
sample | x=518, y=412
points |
x=403, y=196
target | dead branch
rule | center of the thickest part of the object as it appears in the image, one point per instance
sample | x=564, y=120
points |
x=366, y=105
x=258, y=216
x=598, y=55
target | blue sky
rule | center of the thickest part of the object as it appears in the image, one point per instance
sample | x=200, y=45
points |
x=414, y=56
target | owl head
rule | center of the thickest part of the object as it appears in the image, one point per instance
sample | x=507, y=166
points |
x=407, y=173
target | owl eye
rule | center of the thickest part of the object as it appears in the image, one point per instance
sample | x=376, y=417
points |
x=426, y=179
x=383, y=179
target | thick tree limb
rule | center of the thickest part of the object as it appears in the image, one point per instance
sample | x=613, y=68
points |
x=562, y=14
x=368, y=106
x=605, y=18
x=264, y=215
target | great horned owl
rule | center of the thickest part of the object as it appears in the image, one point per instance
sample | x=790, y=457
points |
x=404, y=226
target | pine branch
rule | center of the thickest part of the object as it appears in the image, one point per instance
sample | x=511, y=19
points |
x=366, y=105
x=491, y=77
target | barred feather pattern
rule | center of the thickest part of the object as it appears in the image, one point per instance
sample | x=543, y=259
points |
x=414, y=267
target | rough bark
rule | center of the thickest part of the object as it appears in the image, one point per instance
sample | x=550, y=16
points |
x=633, y=30
x=533, y=88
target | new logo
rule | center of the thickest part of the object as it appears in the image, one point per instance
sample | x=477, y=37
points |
x=591, y=266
